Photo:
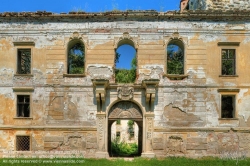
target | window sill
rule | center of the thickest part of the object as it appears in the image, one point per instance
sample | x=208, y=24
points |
x=74, y=75
x=28, y=118
x=175, y=76
x=24, y=75
x=228, y=76
x=228, y=119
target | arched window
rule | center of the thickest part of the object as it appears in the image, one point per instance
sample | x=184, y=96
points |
x=125, y=62
x=175, y=57
x=76, y=57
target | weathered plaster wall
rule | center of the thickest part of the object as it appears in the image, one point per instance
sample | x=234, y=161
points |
x=64, y=108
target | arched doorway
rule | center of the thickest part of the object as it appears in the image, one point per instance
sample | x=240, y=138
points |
x=126, y=110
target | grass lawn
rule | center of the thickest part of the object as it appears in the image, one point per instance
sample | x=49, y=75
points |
x=171, y=161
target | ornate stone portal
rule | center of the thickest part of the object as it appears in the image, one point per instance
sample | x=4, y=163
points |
x=125, y=110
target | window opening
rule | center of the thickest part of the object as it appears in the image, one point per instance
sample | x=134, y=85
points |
x=22, y=143
x=23, y=106
x=24, y=61
x=175, y=58
x=228, y=61
x=125, y=64
x=227, y=106
x=76, y=57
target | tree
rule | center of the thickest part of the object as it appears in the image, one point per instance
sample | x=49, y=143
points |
x=175, y=60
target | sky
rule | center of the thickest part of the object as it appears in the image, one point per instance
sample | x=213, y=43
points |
x=59, y=6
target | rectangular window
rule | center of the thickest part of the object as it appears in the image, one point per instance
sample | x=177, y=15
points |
x=227, y=106
x=23, y=105
x=118, y=122
x=228, y=62
x=24, y=61
x=22, y=143
x=118, y=134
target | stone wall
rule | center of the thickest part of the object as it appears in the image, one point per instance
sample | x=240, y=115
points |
x=70, y=112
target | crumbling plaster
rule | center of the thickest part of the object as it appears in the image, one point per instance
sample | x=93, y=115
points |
x=186, y=112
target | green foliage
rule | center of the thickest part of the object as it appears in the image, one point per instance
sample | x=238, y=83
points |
x=76, y=59
x=124, y=75
x=122, y=148
x=175, y=60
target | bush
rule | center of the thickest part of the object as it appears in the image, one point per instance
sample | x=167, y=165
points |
x=122, y=148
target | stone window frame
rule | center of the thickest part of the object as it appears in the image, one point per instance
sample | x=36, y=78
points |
x=19, y=45
x=23, y=91
x=229, y=92
x=229, y=46
x=75, y=38
x=23, y=135
x=167, y=39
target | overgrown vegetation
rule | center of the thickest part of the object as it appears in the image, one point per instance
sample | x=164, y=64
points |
x=121, y=148
x=173, y=161
x=131, y=128
x=125, y=75
x=76, y=59
x=175, y=60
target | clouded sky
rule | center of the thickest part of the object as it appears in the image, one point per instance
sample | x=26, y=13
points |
x=57, y=6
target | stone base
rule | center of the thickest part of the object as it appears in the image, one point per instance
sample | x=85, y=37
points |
x=101, y=155
x=148, y=155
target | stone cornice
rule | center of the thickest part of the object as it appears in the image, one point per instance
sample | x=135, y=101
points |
x=130, y=15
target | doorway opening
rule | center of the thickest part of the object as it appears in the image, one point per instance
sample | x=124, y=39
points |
x=125, y=130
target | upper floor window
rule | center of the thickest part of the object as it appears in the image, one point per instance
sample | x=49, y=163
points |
x=125, y=62
x=24, y=61
x=175, y=57
x=76, y=57
x=23, y=105
x=228, y=62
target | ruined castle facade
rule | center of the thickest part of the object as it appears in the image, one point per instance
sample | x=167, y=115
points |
x=202, y=111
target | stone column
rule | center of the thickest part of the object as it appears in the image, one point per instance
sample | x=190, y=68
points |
x=101, y=136
x=148, y=135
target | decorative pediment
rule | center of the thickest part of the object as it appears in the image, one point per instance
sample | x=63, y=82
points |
x=124, y=37
x=77, y=36
x=125, y=92
x=174, y=36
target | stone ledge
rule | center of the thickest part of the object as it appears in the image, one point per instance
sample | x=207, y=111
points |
x=192, y=129
x=74, y=75
x=57, y=128
x=23, y=75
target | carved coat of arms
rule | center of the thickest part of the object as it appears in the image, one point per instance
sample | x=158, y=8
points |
x=125, y=92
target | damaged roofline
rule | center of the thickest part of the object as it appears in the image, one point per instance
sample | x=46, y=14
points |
x=129, y=15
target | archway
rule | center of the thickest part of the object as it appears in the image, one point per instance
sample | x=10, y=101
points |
x=126, y=110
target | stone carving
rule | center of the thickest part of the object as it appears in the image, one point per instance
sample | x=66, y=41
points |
x=150, y=128
x=125, y=92
x=75, y=35
x=125, y=110
x=100, y=127
x=175, y=144
x=126, y=36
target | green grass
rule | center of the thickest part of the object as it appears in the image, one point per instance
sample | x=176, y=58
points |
x=171, y=161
